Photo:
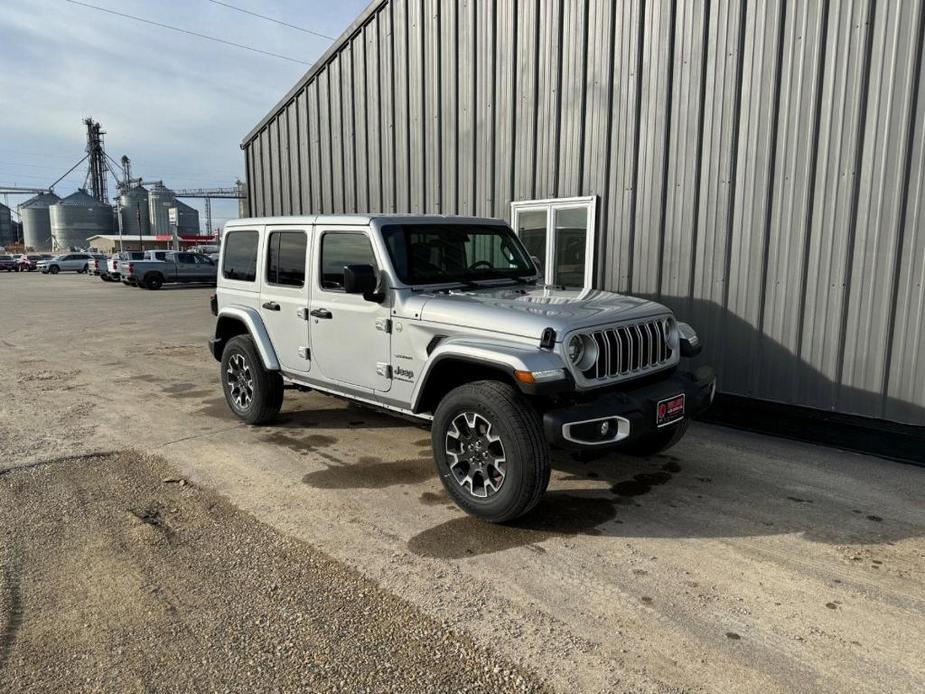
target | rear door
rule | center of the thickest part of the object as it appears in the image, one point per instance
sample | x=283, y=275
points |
x=284, y=295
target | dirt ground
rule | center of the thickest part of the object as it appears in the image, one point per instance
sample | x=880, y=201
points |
x=120, y=576
x=735, y=563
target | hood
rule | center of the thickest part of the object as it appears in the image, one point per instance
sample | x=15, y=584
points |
x=527, y=311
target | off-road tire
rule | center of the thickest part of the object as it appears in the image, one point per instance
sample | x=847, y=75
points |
x=267, y=396
x=54, y=269
x=153, y=281
x=526, y=451
x=656, y=442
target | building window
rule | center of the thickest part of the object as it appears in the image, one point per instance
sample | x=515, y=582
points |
x=560, y=234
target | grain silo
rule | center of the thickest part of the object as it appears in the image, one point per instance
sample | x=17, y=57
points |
x=134, y=211
x=187, y=218
x=36, y=221
x=78, y=217
x=160, y=200
x=6, y=226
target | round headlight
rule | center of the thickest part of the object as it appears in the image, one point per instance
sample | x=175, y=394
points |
x=575, y=348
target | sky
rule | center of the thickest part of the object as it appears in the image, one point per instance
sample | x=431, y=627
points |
x=177, y=105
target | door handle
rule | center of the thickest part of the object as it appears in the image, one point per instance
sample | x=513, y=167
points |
x=321, y=313
x=271, y=305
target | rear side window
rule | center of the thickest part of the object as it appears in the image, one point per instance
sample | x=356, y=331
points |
x=340, y=249
x=286, y=258
x=240, y=259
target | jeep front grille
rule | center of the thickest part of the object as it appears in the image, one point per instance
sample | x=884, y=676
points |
x=628, y=350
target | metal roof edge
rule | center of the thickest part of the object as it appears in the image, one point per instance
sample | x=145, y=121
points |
x=370, y=10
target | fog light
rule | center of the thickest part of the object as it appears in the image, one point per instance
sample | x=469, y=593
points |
x=605, y=428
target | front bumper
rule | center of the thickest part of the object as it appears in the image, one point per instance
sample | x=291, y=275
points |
x=629, y=414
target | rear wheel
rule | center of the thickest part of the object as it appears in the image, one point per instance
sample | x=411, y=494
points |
x=490, y=452
x=154, y=281
x=254, y=394
x=656, y=442
x=86, y=269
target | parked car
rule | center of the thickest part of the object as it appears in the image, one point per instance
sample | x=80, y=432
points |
x=27, y=262
x=67, y=262
x=8, y=263
x=177, y=267
x=110, y=270
x=443, y=319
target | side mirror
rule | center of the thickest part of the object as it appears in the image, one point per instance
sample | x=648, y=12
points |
x=359, y=279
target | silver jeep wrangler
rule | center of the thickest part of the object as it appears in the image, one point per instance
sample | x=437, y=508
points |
x=445, y=320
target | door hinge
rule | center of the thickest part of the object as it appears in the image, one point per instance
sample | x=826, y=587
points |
x=384, y=369
x=384, y=324
x=305, y=353
x=303, y=313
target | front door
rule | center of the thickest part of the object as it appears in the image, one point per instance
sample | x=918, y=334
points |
x=284, y=296
x=350, y=341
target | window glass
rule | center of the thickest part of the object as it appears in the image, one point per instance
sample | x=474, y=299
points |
x=437, y=253
x=286, y=258
x=570, y=246
x=240, y=259
x=340, y=249
x=531, y=228
x=186, y=258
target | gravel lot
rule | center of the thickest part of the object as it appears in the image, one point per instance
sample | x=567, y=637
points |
x=120, y=576
x=736, y=563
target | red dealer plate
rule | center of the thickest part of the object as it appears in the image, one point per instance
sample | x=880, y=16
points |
x=669, y=410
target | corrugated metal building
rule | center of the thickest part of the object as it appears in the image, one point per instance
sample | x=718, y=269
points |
x=757, y=166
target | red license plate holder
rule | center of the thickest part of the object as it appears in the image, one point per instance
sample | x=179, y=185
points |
x=670, y=410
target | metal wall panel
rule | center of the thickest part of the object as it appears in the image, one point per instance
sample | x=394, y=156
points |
x=792, y=200
x=619, y=197
x=759, y=165
x=682, y=167
x=484, y=164
x=431, y=112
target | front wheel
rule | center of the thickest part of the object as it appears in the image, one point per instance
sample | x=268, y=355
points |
x=253, y=393
x=663, y=439
x=54, y=269
x=490, y=452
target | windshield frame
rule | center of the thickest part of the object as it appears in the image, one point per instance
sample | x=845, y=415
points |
x=385, y=229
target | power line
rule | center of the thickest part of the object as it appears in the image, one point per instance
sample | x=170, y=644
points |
x=187, y=31
x=275, y=21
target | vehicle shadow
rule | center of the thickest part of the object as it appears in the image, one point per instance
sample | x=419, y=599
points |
x=671, y=497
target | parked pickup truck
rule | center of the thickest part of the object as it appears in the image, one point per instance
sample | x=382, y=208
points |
x=177, y=267
x=446, y=320
x=110, y=270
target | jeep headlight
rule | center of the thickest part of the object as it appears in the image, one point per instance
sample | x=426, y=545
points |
x=690, y=341
x=582, y=351
x=575, y=348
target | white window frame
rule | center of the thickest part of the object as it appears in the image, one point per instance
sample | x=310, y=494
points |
x=551, y=206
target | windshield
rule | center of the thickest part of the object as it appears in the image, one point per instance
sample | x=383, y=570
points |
x=437, y=253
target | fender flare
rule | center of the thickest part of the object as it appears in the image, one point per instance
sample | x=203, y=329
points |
x=502, y=355
x=252, y=321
